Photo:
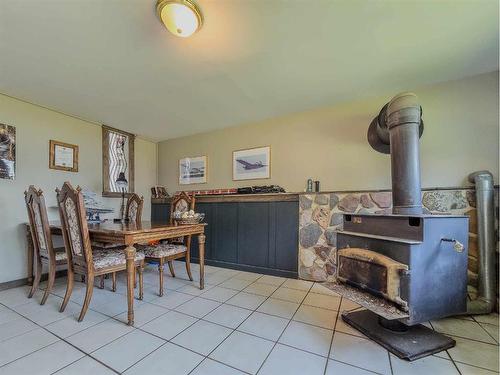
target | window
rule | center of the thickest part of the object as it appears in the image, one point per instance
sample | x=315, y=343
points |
x=117, y=157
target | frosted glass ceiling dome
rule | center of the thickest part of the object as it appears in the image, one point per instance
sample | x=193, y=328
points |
x=181, y=17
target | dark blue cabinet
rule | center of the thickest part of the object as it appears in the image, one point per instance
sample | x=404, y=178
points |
x=287, y=236
x=160, y=212
x=253, y=234
x=260, y=236
x=225, y=232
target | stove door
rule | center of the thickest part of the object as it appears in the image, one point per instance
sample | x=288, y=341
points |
x=373, y=272
x=371, y=280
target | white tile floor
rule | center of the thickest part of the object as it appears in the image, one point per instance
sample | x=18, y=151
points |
x=242, y=323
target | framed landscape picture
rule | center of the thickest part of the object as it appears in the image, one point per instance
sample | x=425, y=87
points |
x=193, y=170
x=7, y=152
x=252, y=164
x=63, y=156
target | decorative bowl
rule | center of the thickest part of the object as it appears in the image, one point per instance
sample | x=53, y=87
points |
x=190, y=220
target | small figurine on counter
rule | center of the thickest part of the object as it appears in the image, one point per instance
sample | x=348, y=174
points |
x=309, y=186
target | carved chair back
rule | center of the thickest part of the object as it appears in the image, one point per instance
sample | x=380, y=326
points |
x=74, y=225
x=39, y=223
x=134, y=208
x=183, y=203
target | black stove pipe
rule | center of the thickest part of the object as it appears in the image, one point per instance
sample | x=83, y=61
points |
x=396, y=130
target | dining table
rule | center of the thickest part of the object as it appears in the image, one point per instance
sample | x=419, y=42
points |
x=130, y=234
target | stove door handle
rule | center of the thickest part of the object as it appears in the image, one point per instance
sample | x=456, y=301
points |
x=457, y=245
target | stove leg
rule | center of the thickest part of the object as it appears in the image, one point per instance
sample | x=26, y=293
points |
x=392, y=325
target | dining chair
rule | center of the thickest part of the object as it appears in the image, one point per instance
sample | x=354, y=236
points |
x=133, y=213
x=43, y=248
x=82, y=259
x=170, y=250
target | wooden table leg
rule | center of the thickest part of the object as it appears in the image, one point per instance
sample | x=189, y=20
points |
x=201, y=247
x=30, y=249
x=130, y=256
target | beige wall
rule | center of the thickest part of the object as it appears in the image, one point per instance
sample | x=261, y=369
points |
x=35, y=126
x=329, y=144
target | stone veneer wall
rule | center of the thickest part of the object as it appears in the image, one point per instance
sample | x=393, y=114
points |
x=320, y=215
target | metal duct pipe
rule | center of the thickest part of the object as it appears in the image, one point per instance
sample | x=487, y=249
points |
x=485, y=301
x=397, y=130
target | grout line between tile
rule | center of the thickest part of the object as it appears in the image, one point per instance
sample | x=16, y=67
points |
x=69, y=364
x=170, y=340
x=236, y=329
x=361, y=368
x=282, y=332
x=482, y=368
x=268, y=297
x=390, y=362
x=114, y=317
x=364, y=338
x=61, y=339
x=21, y=317
x=136, y=362
x=331, y=340
x=484, y=329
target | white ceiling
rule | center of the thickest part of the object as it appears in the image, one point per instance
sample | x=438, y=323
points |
x=111, y=61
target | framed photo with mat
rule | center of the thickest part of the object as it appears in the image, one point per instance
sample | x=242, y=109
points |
x=252, y=164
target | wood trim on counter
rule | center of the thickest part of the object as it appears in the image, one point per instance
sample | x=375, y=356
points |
x=290, y=197
x=278, y=197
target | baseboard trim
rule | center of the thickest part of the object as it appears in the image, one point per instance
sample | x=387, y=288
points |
x=24, y=281
x=13, y=284
x=247, y=268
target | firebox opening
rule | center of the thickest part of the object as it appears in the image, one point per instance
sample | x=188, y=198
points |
x=347, y=217
x=414, y=221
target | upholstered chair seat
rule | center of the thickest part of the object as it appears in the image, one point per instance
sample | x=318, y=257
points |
x=59, y=255
x=104, y=245
x=169, y=250
x=161, y=250
x=112, y=258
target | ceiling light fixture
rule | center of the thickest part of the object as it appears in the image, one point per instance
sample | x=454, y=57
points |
x=181, y=17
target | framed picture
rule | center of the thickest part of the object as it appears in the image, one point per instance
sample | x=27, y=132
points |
x=7, y=152
x=63, y=156
x=117, y=162
x=252, y=164
x=193, y=170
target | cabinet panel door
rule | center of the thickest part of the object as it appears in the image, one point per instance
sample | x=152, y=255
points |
x=226, y=232
x=160, y=212
x=253, y=234
x=287, y=224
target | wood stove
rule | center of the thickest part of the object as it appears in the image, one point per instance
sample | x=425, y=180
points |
x=407, y=267
x=422, y=271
